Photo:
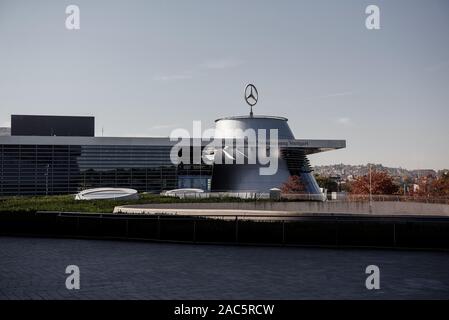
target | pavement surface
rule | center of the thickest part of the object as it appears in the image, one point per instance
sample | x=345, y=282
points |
x=34, y=268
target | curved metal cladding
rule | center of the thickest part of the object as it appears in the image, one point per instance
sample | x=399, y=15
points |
x=246, y=177
x=228, y=127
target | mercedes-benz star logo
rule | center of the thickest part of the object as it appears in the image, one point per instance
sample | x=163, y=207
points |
x=251, y=95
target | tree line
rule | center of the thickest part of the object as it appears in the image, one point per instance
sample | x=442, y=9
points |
x=378, y=183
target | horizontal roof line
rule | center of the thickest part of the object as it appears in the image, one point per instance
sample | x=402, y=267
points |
x=314, y=145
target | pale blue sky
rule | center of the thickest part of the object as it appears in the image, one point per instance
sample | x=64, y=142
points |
x=146, y=67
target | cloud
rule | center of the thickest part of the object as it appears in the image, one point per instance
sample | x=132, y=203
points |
x=174, y=77
x=220, y=64
x=344, y=121
x=339, y=94
x=211, y=65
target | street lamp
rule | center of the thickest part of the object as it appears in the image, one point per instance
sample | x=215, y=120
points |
x=370, y=190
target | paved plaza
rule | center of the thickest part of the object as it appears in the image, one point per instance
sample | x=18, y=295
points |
x=34, y=268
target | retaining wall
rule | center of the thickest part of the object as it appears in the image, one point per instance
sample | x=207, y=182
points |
x=331, y=207
x=331, y=230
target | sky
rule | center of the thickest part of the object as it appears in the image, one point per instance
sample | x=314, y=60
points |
x=144, y=68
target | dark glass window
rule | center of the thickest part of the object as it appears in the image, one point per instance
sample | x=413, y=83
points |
x=66, y=169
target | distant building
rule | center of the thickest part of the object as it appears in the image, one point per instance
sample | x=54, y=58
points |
x=424, y=173
x=5, y=131
x=60, y=126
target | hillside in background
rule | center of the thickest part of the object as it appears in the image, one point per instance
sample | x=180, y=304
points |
x=347, y=172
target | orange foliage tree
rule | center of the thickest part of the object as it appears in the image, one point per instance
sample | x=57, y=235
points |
x=293, y=185
x=381, y=183
x=433, y=187
x=441, y=185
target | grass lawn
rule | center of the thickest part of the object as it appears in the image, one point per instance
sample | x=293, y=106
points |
x=67, y=203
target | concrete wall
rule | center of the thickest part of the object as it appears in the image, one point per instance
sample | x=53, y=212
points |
x=387, y=207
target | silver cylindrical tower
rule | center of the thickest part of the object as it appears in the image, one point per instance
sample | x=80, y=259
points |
x=247, y=177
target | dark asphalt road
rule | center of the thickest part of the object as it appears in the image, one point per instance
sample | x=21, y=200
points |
x=33, y=268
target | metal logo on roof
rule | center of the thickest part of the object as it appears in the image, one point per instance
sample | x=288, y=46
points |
x=251, y=95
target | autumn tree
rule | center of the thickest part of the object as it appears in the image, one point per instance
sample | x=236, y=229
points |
x=381, y=183
x=429, y=186
x=293, y=185
x=440, y=186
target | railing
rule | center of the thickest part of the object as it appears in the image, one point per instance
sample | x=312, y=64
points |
x=302, y=197
x=247, y=195
x=254, y=195
x=399, y=198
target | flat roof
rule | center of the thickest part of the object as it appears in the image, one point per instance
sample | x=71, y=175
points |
x=309, y=145
x=252, y=117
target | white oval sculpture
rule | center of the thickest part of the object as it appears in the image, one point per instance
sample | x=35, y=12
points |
x=107, y=194
x=182, y=191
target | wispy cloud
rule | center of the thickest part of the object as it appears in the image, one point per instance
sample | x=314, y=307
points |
x=220, y=64
x=209, y=65
x=339, y=94
x=329, y=96
x=174, y=77
x=344, y=121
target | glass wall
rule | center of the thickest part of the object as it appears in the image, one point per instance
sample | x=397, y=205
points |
x=65, y=169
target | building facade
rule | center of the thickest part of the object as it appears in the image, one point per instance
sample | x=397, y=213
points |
x=65, y=164
x=53, y=165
